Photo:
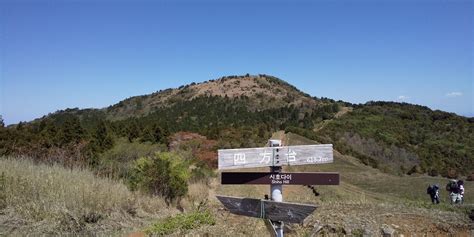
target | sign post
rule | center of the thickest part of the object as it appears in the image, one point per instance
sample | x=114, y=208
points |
x=274, y=156
x=276, y=189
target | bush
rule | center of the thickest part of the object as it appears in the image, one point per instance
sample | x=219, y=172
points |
x=415, y=170
x=181, y=222
x=165, y=174
x=116, y=162
x=450, y=173
x=433, y=172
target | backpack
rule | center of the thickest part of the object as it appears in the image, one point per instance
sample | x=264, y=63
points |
x=429, y=190
x=452, y=186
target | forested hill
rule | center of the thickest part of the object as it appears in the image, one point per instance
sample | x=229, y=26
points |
x=403, y=138
x=261, y=91
x=243, y=111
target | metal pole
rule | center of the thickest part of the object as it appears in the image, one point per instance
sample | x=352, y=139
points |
x=276, y=190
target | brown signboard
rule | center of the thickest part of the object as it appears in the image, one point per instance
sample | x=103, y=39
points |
x=266, y=209
x=319, y=178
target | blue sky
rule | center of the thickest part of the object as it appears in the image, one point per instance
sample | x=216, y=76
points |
x=60, y=54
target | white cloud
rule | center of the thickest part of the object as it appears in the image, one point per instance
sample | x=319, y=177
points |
x=454, y=94
x=403, y=97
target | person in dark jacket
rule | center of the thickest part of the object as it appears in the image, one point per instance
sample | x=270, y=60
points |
x=454, y=191
x=433, y=191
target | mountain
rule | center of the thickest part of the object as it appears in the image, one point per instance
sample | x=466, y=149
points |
x=243, y=111
x=262, y=91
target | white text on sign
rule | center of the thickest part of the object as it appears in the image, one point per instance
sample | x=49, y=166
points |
x=280, y=178
x=239, y=159
x=291, y=155
x=317, y=159
x=266, y=156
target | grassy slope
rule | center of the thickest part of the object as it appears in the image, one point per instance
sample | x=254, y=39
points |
x=46, y=199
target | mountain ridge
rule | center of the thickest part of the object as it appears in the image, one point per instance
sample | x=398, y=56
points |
x=243, y=111
x=141, y=105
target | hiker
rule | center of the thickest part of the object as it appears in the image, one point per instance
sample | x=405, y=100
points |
x=454, y=191
x=433, y=191
x=461, y=190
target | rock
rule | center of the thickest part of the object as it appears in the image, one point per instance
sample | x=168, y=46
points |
x=472, y=215
x=387, y=231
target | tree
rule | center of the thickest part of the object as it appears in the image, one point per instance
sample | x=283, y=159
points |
x=2, y=124
x=102, y=137
x=133, y=130
x=71, y=130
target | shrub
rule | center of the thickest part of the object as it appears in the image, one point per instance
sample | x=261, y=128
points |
x=201, y=173
x=414, y=170
x=116, y=162
x=165, y=174
x=450, y=173
x=433, y=172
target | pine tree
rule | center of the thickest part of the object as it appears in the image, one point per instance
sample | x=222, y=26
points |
x=133, y=130
x=102, y=137
x=71, y=131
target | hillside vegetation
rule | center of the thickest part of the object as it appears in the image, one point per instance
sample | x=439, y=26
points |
x=242, y=111
x=406, y=137
x=82, y=137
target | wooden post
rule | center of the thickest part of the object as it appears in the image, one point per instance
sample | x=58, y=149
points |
x=276, y=190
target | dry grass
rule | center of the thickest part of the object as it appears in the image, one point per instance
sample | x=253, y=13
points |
x=52, y=200
x=198, y=196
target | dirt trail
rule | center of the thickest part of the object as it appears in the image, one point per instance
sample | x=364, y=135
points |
x=343, y=111
x=323, y=124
